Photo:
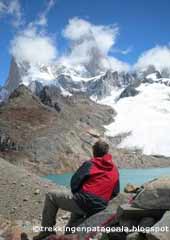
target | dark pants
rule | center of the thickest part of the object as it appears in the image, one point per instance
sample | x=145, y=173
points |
x=63, y=200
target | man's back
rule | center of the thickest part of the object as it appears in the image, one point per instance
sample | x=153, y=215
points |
x=95, y=183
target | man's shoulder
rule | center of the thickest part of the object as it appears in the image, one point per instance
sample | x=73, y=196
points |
x=87, y=163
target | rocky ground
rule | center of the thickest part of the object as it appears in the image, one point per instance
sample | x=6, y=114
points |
x=22, y=197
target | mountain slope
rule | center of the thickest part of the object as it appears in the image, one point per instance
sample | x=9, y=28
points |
x=50, y=138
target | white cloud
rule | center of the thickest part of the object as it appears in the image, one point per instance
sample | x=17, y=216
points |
x=33, y=47
x=118, y=65
x=42, y=20
x=12, y=8
x=33, y=44
x=91, y=45
x=158, y=56
x=103, y=36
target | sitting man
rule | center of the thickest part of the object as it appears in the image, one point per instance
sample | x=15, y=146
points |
x=93, y=185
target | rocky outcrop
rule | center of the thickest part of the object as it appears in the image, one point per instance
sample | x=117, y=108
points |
x=104, y=85
x=154, y=194
x=16, y=73
x=66, y=82
x=51, y=96
x=130, y=91
x=35, y=87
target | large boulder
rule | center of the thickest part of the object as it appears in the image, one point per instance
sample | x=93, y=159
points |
x=154, y=194
x=107, y=217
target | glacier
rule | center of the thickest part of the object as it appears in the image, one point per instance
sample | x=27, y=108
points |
x=145, y=119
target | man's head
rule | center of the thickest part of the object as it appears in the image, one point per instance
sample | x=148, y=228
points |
x=100, y=148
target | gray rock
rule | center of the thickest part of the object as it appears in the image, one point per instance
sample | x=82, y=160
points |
x=103, y=86
x=161, y=229
x=117, y=236
x=35, y=87
x=127, y=222
x=15, y=75
x=37, y=191
x=155, y=195
x=129, y=91
x=147, y=222
x=131, y=188
x=144, y=222
x=127, y=211
x=135, y=236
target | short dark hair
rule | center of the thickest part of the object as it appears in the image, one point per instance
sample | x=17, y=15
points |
x=100, y=148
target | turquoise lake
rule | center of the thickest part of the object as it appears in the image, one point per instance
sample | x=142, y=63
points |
x=134, y=176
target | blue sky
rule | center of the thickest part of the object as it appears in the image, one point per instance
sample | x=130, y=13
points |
x=142, y=24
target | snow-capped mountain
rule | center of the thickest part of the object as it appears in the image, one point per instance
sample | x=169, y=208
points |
x=141, y=99
x=66, y=78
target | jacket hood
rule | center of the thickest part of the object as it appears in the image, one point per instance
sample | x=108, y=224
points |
x=105, y=162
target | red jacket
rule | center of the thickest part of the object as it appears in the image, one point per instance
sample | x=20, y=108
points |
x=95, y=183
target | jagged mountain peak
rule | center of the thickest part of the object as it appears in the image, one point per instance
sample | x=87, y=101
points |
x=70, y=80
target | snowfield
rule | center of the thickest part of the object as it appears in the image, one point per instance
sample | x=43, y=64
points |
x=146, y=117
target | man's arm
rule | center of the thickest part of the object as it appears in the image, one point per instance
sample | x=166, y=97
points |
x=116, y=190
x=80, y=176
